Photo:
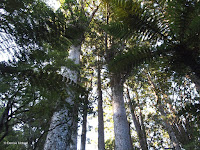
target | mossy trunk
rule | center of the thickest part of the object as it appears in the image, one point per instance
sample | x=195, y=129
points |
x=62, y=133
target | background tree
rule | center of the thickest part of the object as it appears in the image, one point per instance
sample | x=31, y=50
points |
x=43, y=77
x=40, y=49
x=78, y=23
x=161, y=21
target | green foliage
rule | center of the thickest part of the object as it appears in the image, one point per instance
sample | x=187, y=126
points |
x=135, y=20
x=34, y=95
x=183, y=16
x=42, y=38
x=110, y=144
x=14, y=141
x=191, y=112
x=31, y=82
x=159, y=20
x=178, y=99
x=126, y=61
x=33, y=23
x=123, y=32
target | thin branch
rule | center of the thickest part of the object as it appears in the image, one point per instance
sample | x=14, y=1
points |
x=93, y=13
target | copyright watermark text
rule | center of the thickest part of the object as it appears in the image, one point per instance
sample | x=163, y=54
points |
x=15, y=143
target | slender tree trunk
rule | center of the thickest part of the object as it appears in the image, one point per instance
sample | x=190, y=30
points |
x=139, y=129
x=167, y=125
x=169, y=129
x=121, y=126
x=63, y=128
x=180, y=128
x=101, y=144
x=4, y=126
x=84, y=125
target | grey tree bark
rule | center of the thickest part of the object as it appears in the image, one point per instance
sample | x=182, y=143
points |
x=84, y=125
x=169, y=129
x=63, y=128
x=62, y=133
x=101, y=143
x=121, y=125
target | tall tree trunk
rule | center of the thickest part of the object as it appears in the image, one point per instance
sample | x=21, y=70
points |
x=167, y=125
x=139, y=129
x=180, y=128
x=84, y=125
x=121, y=126
x=101, y=144
x=63, y=128
x=62, y=134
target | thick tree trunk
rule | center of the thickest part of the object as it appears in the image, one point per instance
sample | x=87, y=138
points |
x=101, y=144
x=141, y=133
x=62, y=133
x=121, y=126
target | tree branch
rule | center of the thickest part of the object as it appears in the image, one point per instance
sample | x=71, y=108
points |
x=93, y=13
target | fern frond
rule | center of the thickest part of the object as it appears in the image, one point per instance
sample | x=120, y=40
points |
x=136, y=56
x=118, y=30
x=137, y=19
x=183, y=16
x=125, y=62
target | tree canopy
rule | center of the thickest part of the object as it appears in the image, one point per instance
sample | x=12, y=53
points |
x=141, y=56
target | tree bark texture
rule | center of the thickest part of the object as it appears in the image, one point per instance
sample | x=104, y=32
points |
x=62, y=133
x=60, y=136
x=121, y=126
x=101, y=144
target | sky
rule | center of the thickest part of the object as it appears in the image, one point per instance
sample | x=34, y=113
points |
x=53, y=3
x=7, y=45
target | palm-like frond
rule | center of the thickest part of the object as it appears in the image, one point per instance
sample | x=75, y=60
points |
x=178, y=26
x=184, y=30
x=124, y=63
x=123, y=32
x=137, y=19
x=33, y=24
x=183, y=19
